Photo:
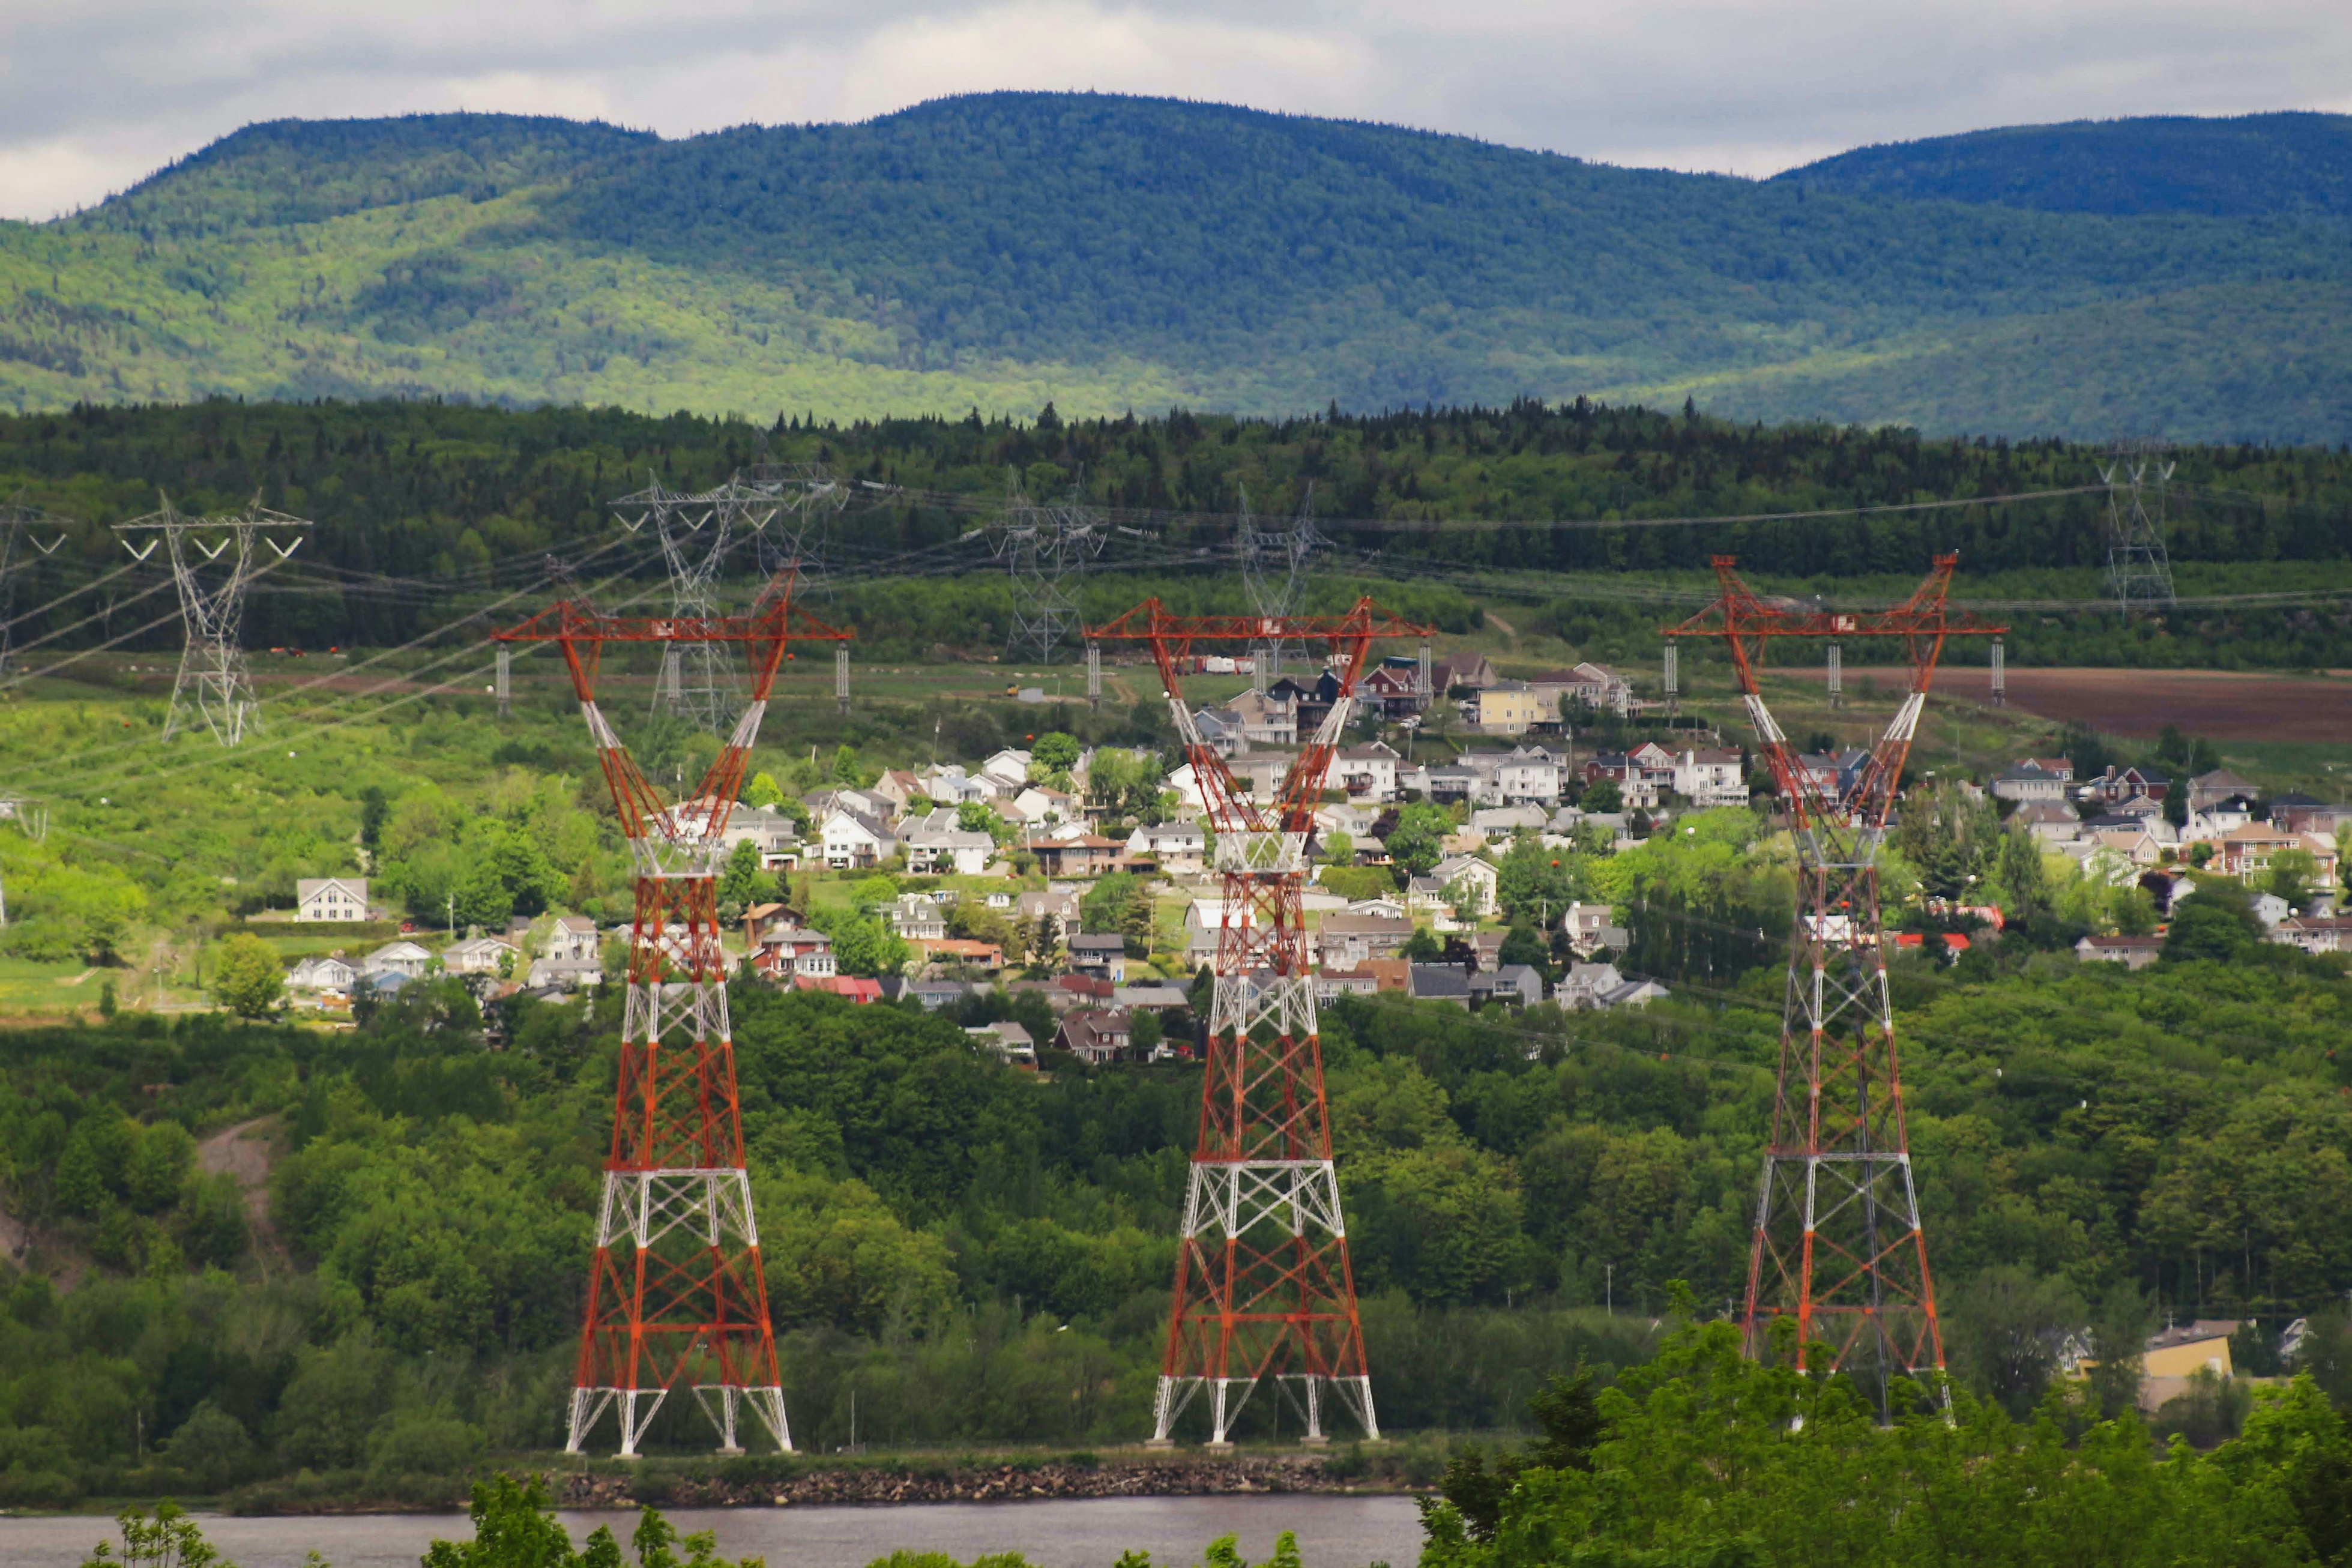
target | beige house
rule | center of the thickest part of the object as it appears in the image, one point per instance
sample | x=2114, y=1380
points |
x=1511, y=707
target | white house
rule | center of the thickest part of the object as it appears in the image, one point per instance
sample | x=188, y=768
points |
x=563, y=974
x=1591, y=927
x=477, y=955
x=572, y=939
x=331, y=899
x=776, y=836
x=405, y=959
x=1367, y=773
x=1707, y=776
x=1181, y=848
x=1531, y=775
x=854, y=839
x=1468, y=869
x=1007, y=772
x=322, y=974
x=938, y=845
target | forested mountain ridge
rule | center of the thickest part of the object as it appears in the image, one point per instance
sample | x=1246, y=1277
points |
x=1109, y=253
x=2296, y=166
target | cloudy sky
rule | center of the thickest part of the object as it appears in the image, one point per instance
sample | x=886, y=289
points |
x=96, y=93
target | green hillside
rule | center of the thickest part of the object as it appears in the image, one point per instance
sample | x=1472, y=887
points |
x=1107, y=253
x=2253, y=166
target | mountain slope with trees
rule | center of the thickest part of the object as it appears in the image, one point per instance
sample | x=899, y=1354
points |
x=1110, y=253
x=2295, y=166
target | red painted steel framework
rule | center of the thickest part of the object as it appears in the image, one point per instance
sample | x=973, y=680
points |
x=675, y=1291
x=1838, y=1249
x=1262, y=1284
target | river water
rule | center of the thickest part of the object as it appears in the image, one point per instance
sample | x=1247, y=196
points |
x=1089, y=1532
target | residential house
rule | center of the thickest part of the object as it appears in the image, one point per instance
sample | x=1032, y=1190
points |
x=938, y=845
x=2315, y=933
x=1102, y=956
x=1486, y=950
x=2245, y=853
x=1477, y=875
x=2135, y=845
x=1711, y=777
x=331, y=899
x=963, y=952
x=1367, y=773
x=929, y=992
x=1387, y=904
x=1036, y=806
x=855, y=990
x=951, y=785
x=855, y=839
x=899, y=788
x=1394, y=690
x=2131, y=952
x=1309, y=702
x=1448, y=785
x=1520, y=985
x=1593, y=686
x=2304, y=814
x=1087, y=855
x=563, y=973
x=1180, y=848
x=1531, y=775
x=1506, y=821
x=1585, y=984
x=327, y=973
x=916, y=917
x=1440, y=983
x=2051, y=821
x=1641, y=775
x=1219, y=730
x=865, y=802
x=1203, y=917
x=478, y=955
x=787, y=952
x=2035, y=778
x=1154, y=998
x=776, y=835
x=1006, y=774
x=1349, y=940
x=1267, y=718
x=1509, y=708
x=2118, y=784
x=1836, y=774
x=1009, y=1041
x=2206, y=790
x=2269, y=909
x=405, y=959
x=1330, y=984
x=1060, y=903
x=574, y=939
x=1592, y=927
x=1468, y=670
x=1095, y=1035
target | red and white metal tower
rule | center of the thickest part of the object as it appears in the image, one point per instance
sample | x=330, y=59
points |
x=1262, y=1284
x=676, y=1290
x=1838, y=1245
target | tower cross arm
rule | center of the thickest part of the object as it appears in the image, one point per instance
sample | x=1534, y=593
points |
x=781, y=621
x=1740, y=612
x=1151, y=622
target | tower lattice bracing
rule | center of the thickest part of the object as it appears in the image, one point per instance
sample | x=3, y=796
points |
x=697, y=530
x=1275, y=564
x=1045, y=547
x=675, y=1288
x=28, y=535
x=1838, y=1247
x=1263, y=1286
x=2139, y=569
x=214, y=562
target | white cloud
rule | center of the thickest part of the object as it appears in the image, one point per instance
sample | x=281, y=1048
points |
x=95, y=94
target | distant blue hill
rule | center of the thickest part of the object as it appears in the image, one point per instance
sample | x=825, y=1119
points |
x=2255, y=165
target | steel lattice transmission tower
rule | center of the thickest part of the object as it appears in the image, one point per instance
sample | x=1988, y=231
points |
x=696, y=530
x=18, y=548
x=675, y=1291
x=1262, y=1283
x=1838, y=1247
x=1274, y=562
x=214, y=562
x=1044, y=546
x=2139, y=572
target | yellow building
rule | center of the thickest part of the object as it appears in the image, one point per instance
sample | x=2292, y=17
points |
x=1510, y=708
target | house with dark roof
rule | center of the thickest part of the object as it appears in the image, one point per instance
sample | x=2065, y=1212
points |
x=1519, y=984
x=1102, y=956
x=1440, y=983
x=1095, y=1035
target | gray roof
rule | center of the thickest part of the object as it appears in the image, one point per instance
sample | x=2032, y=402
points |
x=1439, y=980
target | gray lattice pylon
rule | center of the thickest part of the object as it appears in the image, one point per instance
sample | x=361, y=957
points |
x=20, y=544
x=213, y=685
x=1044, y=547
x=809, y=496
x=2139, y=569
x=696, y=530
x=1275, y=564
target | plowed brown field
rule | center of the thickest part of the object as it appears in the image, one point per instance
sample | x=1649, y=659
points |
x=2224, y=705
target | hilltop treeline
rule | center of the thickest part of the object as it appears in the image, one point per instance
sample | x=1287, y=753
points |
x=469, y=497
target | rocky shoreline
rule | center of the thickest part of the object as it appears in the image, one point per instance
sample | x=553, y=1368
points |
x=894, y=1483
